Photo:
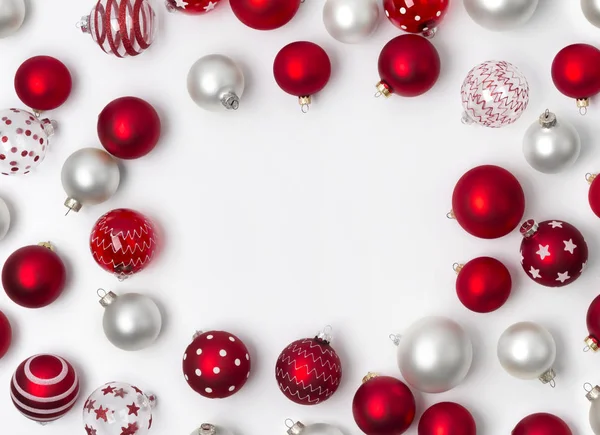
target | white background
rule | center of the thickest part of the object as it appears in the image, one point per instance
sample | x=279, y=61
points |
x=278, y=223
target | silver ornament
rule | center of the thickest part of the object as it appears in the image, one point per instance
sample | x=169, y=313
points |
x=501, y=15
x=4, y=219
x=216, y=83
x=209, y=429
x=312, y=429
x=351, y=21
x=12, y=15
x=593, y=395
x=434, y=354
x=591, y=10
x=90, y=176
x=527, y=350
x=131, y=321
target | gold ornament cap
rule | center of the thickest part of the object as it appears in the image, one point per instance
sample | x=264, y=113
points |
x=305, y=102
x=591, y=343
x=593, y=393
x=383, y=89
x=47, y=245
x=369, y=376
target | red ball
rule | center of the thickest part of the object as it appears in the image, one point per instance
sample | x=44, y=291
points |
x=33, y=276
x=593, y=325
x=308, y=371
x=447, y=418
x=576, y=71
x=409, y=65
x=488, y=202
x=594, y=194
x=123, y=242
x=416, y=16
x=129, y=128
x=216, y=364
x=383, y=405
x=43, y=83
x=5, y=334
x=483, y=284
x=44, y=388
x=541, y=424
x=193, y=7
x=553, y=253
x=265, y=14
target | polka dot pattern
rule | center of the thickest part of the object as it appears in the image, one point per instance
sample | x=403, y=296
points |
x=415, y=16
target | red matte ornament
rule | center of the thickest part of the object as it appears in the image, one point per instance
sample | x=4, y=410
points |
x=409, y=66
x=5, y=334
x=265, y=14
x=416, y=16
x=483, y=284
x=129, y=128
x=43, y=83
x=383, y=405
x=541, y=424
x=447, y=418
x=593, y=325
x=192, y=7
x=34, y=276
x=488, y=202
x=594, y=193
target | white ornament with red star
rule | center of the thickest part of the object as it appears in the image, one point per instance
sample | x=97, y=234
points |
x=118, y=408
x=192, y=7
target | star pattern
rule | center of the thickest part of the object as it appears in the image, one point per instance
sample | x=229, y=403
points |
x=555, y=224
x=137, y=390
x=569, y=245
x=101, y=414
x=181, y=4
x=211, y=5
x=562, y=277
x=133, y=409
x=150, y=422
x=583, y=266
x=535, y=273
x=89, y=405
x=90, y=430
x=131, y=429
x=544, y=251
x=120, y=393
x=108, y=390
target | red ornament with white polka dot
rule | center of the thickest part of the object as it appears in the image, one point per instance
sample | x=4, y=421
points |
x=216, y=364
x=416, y=16
x=553, y=253
x=23, y=141
x=192, y=7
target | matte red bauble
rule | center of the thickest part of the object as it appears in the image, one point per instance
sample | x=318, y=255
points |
x=483, y=284
x=34, y=276
x=129, y=128
x=488, y=202
x=541, y=424
x=265, y=14
x=43, y=83
x=192, y=7
x=594, y=193
x=5, y=334
x=416, y=16
x=447, y=418
x=383, y=405
x=593, y=325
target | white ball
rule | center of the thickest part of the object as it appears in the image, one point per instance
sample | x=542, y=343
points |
x=351, y=21
x=501, y=15
x=12, y=15
x=4, y=219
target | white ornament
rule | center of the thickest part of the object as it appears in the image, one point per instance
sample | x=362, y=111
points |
x=4, y=219
x=12, y=15
x=312, y=429
x=351, y=21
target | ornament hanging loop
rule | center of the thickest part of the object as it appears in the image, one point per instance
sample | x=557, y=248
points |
x=395, y=338
x=207, y=429
x=588, y=387
x=429, y=33
x=101, y=293
x=457, y=267
x=325, y=334
x=590, y=177
x=583, y=104
x=289, y=423
x=450, y=215
x=587, y=348
x=552, y=383
x=304, y=102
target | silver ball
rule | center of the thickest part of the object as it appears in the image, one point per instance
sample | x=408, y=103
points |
x=89, y=176
x=321, y=429
x=435, y=354
x=12, y=15
x=351, y=21
x=132, y=321
x=216, y=83
x=501, y=15
x=591, y=10
x=595, y=416
x=526, y=350
x=209, y=429
x=4, y=219
x=551, y=147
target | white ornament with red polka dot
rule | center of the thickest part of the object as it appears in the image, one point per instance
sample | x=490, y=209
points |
x=23, y=141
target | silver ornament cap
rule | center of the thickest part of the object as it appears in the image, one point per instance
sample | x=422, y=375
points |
x=12, y=15
x=296, y=429
x=207, y=429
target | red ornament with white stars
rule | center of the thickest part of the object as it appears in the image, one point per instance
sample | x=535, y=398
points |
x=553, y=253
x=118, y=408
x=309, y=371
x=44, y=388
x=192, y=7
x=416, y=16
x=216, y=364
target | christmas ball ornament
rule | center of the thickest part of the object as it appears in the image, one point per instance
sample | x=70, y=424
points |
x=302, y=69
x=216, y=364
x=593, y=325
x=383, y=405
x=527, y=351
x=309, y=371
x=488, y=202
x=409, y=66
x=594, y=193
x=4, y=219
x=192, y=7
x=118, y=408
x=44, y=388
x=553, y=253
x=34, y=276
x=43, y=83
x=121, y=27
x=23, y=141
x=131, y=321
x=210, y=429
x=434, y=354
x=351, y=21
x=447, y=418
x=591, y=11
x=216, y=83
x=5, y=334
x=420, y=16
x=499, y=15
x=551, y=146
x=123, y=242
x=483, y=284
x=494, y=94
x=576, y=73
x=265, y=14
x=593, y=394
x=90, y=176
x=541, y=424
x=299, y=428
x=129, y=128
x=12, y=15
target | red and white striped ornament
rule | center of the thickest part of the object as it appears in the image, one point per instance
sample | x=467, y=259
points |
x=44, y=388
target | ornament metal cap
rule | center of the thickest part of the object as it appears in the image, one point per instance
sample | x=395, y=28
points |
x=593, y=393
x=230, y=101
x=207, y=429
x=49, y=125
x=73, y=204
x=305, y=102
x=325, y=335
x=369, y=376
x=383, y=89
x=548, y=119
x=591, y=343
x=548, y=377
x=170, y=6
x=590, y=177
x=457, y=267
x=583, y=104
x=46, y=245
x=106, y=298
x=529, y=228
x=294, y=428
x=84, y=24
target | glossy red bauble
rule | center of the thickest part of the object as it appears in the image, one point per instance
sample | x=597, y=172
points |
x=416, y=16
x=216, y=364
x=541, y=424
x=576, y=72
x=5, y=334
x=44, y=388
x=43, y=83
x=553, y=253
x=594, y=193
x=447, y=418
x=593, y=325
x=265, y=14
x=483, y=284
x=383, y=405
x=34, y=276
x=488, y=202
x=192, y=7
x=409, y=65
x=129, y=128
